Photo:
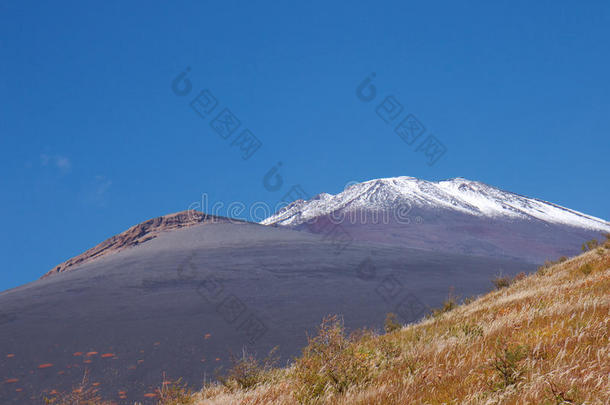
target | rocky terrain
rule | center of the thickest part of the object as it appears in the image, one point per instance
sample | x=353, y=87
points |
x=136, y=235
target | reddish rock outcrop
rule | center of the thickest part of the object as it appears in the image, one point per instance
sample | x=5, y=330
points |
x=136, y=235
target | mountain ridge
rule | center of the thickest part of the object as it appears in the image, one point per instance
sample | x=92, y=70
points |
x=456, y=215
x=460, y=194
x=136, y=235
x=401, y=196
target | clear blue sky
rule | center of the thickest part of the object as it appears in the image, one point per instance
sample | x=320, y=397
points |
x=94, y=140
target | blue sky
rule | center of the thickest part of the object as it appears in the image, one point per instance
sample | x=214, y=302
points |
x=94, y=139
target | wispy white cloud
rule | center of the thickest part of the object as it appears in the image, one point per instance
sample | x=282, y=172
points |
x=60, y=162
x=96, y=191
x=101, y=186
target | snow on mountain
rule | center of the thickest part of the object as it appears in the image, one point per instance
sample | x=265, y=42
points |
x=458, y=194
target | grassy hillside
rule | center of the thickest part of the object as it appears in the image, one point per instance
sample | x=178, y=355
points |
x=542, y=339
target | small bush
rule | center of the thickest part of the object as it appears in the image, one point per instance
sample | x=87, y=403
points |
x=247, y=371
x=470, y=299
x=501, y=282
x=562, y=396
x=542, y=270
x=388, y=350
x=507, y=364
x=504, y=281
x=586, y=269
x=174, y=393
x=589, y=245
x=548, y=263
x=471, y=330
x=391, y=323
x=449, y=304
x=331, y=362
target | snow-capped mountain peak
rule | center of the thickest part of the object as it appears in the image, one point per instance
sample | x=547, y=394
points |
x=457, y=194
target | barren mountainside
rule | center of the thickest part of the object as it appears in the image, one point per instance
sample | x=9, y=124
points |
x=136, y=235
x=181, y=301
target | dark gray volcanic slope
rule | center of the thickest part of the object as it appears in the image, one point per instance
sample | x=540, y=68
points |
x=179, y=302
x=447, y=231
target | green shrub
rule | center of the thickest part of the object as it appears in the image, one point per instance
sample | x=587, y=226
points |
x=586, y=269
x=333, y=363
x=247, y=371
x=548, y=263
x=501, y=282
x=542, y=270
x=507, y=364
x=561, y=396
x=174, y=393
x=470, y=299
x=590, y=245
x=472, y=330
x=448, y=305
x=391, y=323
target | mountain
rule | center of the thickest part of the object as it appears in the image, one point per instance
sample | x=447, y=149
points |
x=136, y=235
x=177, y=293
x=457, y=215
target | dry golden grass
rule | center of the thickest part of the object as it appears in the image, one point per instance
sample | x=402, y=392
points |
x=84, y=393
x=541, y=340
